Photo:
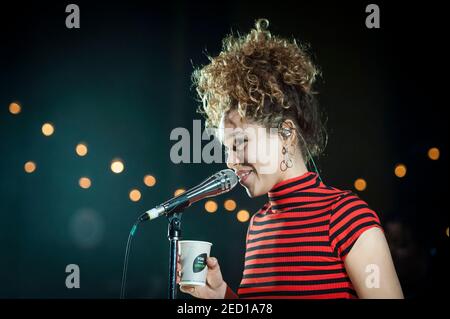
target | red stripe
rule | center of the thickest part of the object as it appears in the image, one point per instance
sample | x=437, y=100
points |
x=291, y=268
x=295, y=288
x=289, y=232
x=289, y=259
x=261, y=218
x=288, y=240
x=336, y=295
x=296, y=223
x=288, y=250
x=249, y=281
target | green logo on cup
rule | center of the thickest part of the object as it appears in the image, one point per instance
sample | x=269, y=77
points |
x=199, y=263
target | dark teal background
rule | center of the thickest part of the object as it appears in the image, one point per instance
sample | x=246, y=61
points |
x=121, y=83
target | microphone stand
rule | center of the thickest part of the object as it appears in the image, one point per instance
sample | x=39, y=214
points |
x=174, y=235
x=174, y=228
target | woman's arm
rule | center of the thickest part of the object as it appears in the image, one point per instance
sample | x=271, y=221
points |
x=370, y=267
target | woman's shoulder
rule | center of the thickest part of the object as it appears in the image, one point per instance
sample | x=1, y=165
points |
x=348, y=197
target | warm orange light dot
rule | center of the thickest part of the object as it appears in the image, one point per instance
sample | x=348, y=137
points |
x=48, y=129
x=81, y=149
x=211, y=206
x=135, y=195
x=360, y=184
x=84, y=182
x=447, y=232
x=179, y=191
x=117, y=166
x=243, y=215
x=149, y=180
x=229, y=205
x=15, y=108
x=400, y=170
x=30, y=167
x=434, y=153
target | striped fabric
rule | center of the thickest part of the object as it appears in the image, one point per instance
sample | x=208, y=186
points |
x=297, y=243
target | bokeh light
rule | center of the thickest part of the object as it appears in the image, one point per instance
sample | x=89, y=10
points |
x=360, y=184
x=179, y=191
x=211, y=206
x=149, y=180
x=229, y=205
x=243, y=215
x=48, y=129
x=135, y=195
x=400, y=170
x=29, y=167
x=84, y=182
x=15, y=108
x=81, y=149
x=117, y=166
x=434, y=153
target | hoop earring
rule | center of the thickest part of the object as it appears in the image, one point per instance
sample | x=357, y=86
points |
x=287, y=161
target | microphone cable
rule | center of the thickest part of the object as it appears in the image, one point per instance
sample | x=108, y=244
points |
x=127, y=255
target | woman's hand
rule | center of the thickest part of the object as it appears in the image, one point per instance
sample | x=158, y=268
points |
x=215, y=287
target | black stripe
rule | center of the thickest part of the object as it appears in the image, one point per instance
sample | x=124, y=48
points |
x=348, y=224
x=303, y=194
x=288, y=219
x=295, y=244
x=254, y=232
x=344, y=200
x=304, y=206
x=295, y=273
x=297, y=182
x=295, y=282
x=293, y=264
x=281, y=236
x=330, y=198
x=348, y=212
x=298, y=293
x=292, y=254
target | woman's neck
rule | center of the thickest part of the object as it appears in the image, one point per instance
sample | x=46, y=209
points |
x=298, y=168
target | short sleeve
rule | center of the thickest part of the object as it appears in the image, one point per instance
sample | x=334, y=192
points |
x=350, y=217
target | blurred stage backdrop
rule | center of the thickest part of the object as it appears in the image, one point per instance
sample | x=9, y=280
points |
x=86, y=115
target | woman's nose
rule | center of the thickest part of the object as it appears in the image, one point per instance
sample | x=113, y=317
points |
x=232, y=160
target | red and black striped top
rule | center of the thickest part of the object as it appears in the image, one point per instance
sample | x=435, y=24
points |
x=296, y=244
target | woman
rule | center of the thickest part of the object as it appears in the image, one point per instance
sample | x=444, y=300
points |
x=310, y=240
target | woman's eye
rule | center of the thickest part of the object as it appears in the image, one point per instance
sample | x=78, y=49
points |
x=241, y=143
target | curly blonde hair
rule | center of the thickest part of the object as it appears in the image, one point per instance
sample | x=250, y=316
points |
x=267, y=79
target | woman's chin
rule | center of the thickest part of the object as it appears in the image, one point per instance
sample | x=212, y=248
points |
x=251, y=192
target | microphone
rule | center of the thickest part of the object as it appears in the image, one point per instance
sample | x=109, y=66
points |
x=219, y=183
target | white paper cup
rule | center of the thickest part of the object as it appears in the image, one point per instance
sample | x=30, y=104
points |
x=193, y=255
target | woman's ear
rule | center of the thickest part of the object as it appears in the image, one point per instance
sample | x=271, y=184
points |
x=288, y=131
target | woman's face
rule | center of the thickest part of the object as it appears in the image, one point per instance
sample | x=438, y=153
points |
x=252, y=152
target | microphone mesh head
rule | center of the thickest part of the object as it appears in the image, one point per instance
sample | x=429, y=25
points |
x=228, y=178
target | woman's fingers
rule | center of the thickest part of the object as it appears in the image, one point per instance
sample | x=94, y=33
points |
x=187, y=289
x=178, y=272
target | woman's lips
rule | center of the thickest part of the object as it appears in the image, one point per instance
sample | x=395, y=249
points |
x=243, y=176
